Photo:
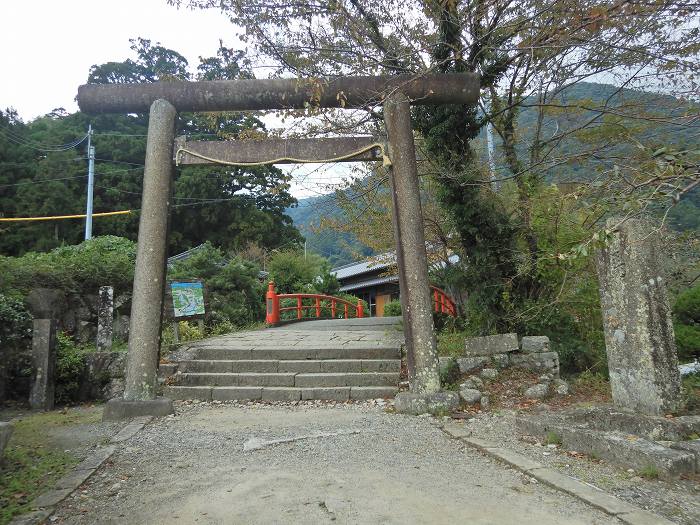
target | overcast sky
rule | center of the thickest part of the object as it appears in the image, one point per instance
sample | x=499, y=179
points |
x=48, y=46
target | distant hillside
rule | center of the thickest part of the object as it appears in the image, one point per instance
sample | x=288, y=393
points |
x=341, y=248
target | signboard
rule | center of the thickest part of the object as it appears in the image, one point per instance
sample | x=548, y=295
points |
x=188, y=300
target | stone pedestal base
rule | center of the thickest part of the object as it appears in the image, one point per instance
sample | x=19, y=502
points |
x=438, y=403
x=623, y=438
x=118, y=408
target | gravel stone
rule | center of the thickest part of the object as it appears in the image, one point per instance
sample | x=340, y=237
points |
x=675, y=499
x=470, y=396
x=561, y=387
x=489, y=373
x=395, y=469
x=538, y=391
x=473, y=382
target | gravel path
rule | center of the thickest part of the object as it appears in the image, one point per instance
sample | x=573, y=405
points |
x=678, y=500
x=380, y=468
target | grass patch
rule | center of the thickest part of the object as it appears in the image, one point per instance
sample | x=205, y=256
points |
x=649, y=472
x=592, y=385
x=691, y=393
x=552, y=438
x=31, y=464
x=450, y=344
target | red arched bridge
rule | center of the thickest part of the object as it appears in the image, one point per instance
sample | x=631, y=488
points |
x=307, y=306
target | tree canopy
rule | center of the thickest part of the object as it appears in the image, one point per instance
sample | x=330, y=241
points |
x=41, y=175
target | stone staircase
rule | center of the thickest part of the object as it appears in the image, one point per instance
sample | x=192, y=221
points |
x=333, y=360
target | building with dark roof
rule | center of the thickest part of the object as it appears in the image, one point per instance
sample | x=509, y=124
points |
x=375, y=281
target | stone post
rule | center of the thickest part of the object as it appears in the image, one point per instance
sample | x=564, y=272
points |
x=639, y=336
x=44, y=364
x=105, y=318
x=411, y=256
x=149, y=275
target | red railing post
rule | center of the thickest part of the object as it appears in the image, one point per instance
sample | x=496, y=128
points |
x=299, y=305
x=333, y=308
x=272, y=315
x=360, y=309
x=318, y=307
x=435, y=299
x=346, y=310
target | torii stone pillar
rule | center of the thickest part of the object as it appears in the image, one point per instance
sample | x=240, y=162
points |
x=411, y=257
x=149, y=275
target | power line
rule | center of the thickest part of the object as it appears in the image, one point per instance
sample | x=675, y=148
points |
x=43, y=181
x=19, y=140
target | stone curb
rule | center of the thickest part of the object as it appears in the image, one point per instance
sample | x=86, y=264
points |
x=625, y=512
x=44, y=505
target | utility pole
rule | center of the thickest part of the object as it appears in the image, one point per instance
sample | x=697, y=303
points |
x=489, y=148
x=91, y=184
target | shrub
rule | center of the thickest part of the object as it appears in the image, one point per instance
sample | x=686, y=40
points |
x=79, y=269
x=449, y=373
x=70, y=369
x=15, y=339
x=294, y=272
x=392, y=308
x=15, y=323
x=686, y=311
x=451, y=343
x=235, y=294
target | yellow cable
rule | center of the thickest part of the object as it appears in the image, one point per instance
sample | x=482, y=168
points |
x=57, y=217
x=386, y=161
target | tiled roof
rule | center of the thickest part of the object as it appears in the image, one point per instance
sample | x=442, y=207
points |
x=370, y=282
x=379, y=262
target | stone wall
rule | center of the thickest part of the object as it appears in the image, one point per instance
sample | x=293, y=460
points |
x=77, y=314
x=504, y=351
x=103, y=377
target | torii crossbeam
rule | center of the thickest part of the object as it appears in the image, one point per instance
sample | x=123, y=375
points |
x=165, y=99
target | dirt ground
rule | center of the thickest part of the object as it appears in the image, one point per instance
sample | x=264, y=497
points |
x=361, y=465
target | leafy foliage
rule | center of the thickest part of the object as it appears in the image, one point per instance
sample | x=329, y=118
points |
x=392, y=308
x=70, y=368
x=79, y=269
x=15, y=323
x=235, y=293
x=294, y=272
x=686, y=311
x=233, y=206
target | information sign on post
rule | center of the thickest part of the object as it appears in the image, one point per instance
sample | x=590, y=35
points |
x=186, y=301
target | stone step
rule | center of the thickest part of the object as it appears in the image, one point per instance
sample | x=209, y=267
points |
x=323, y=379
x=289, y=366
x=297, y=353
x=229, y=393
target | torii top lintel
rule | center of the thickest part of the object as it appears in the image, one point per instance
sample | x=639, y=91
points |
x=253, y=94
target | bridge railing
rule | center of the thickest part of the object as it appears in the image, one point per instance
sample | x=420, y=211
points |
x=443, y=303
x=320, y=305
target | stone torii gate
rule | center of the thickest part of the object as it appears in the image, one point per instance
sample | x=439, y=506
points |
x=164, y=100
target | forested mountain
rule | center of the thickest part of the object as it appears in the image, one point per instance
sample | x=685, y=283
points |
x=342, y=247
x=338, y=247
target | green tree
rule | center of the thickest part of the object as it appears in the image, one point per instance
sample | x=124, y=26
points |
x=229, y=206
x=235, y=293
x=294, y=272
x=528, y=54
x=686, y=311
